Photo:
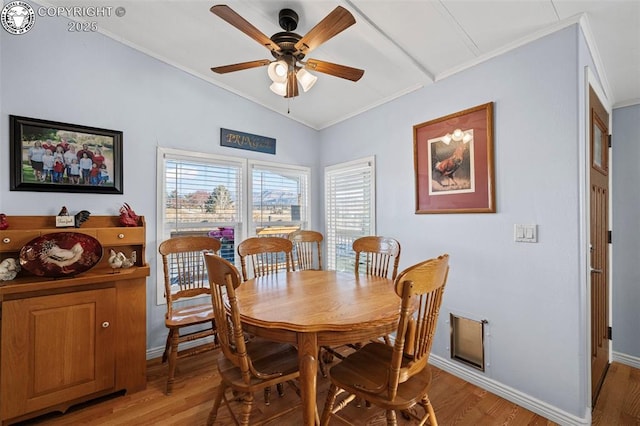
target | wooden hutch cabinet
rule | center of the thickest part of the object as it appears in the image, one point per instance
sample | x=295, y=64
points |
x=68, y=340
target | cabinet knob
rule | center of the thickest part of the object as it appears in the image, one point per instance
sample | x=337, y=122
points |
x=6, y=240
x=121, y=236
x=105, y=324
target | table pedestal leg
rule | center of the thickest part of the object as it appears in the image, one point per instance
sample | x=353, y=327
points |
x=308, y=361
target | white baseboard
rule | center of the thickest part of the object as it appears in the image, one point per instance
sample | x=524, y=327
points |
x=153, y=353
x=631, y=361
x=157, y=352
x=526, y=401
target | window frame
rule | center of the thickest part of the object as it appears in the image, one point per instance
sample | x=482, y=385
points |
x=245, y=221
x=165, y=154
x=302, y=170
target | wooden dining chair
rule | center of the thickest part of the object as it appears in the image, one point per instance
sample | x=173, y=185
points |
x=185, y=277
x=265, y=256
x=307, y=248
x=376, y=254
x=397, y=378
x=245, y=367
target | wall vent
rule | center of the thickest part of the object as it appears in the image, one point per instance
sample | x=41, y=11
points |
x=467, y=341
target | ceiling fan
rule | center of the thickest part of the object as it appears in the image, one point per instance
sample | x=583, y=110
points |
x=289, y=49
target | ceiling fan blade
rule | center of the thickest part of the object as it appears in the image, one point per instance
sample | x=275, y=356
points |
x=229, y=15
x=334, y=23
x=292, y=85
x=241, y=66
x=336, y=70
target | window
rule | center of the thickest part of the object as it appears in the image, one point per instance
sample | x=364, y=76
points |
x=350, y=209
x=199, y=194
x=279, y=199
x=204, y=194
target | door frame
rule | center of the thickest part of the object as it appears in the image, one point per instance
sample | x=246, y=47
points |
x=591, y=80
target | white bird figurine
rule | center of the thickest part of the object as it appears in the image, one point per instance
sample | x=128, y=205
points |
x=128, y=262
x=51, y=253
x=9, y=268
x=115, y=261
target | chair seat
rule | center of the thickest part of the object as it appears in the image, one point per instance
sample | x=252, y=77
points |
x=365, y=372
x=268, y=358
x=189, y=315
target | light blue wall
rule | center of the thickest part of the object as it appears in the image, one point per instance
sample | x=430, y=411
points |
x=529, y=293
x=90, y=79
x=626, y=230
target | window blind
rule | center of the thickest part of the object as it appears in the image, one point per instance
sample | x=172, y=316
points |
x=350, y=209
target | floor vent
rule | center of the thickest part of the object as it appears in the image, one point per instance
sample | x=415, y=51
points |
x=467, y=341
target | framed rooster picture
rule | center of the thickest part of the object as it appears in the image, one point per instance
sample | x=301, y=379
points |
x=453, y=161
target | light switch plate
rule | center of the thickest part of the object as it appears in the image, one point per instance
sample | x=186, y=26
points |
x=525, y=233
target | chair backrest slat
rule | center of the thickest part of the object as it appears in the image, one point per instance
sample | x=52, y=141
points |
x=307, y=248
x=265, y=256
x=378, y=254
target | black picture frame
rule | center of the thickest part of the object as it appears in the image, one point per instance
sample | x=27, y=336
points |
x=30, y=138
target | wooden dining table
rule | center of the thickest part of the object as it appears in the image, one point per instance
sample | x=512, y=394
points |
x=310, y=309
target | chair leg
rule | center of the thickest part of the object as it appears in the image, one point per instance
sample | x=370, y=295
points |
x=173, y=360
x=391, y=418
x=328, y=405
x=215, y=335
x=280, y=389
x=213, y=414
x=246, y=409
x=167, y=347
x=432, y=414
x=267, y=395
x=322, y=364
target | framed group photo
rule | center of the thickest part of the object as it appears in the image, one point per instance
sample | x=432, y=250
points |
x=453, y=162
x=60, y=157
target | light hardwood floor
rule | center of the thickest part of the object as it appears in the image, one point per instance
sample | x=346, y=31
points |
x=456, y=402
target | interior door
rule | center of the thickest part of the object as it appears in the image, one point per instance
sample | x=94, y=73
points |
x=599, y=200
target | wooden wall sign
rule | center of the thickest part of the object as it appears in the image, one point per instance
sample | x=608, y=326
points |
x=241, y=140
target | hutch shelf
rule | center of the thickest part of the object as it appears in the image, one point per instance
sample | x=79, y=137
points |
x=69, y=340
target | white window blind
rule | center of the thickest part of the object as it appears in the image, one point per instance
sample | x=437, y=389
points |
x=279, y=198
x=200, y=194
x=350, y=209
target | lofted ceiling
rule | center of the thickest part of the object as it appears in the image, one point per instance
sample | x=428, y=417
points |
x=401, y=45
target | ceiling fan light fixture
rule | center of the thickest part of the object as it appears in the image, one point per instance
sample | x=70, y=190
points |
x=279, y=88
x=306, y=79
x=277, y=71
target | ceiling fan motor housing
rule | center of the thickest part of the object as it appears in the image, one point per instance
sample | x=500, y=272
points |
x=288, y=19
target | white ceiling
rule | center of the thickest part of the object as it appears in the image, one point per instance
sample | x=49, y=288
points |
x=401, y=45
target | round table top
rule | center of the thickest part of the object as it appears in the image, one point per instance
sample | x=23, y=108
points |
x=308, y=301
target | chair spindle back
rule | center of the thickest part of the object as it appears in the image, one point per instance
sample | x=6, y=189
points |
x=265, y=256
x=307, y=246
x=379, y=254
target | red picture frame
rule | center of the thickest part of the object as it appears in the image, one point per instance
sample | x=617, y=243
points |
x=453, y=163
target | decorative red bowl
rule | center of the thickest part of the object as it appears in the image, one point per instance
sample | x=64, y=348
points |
x=60, y=254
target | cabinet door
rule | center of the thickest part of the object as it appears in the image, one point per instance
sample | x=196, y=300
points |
x=56, y=348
